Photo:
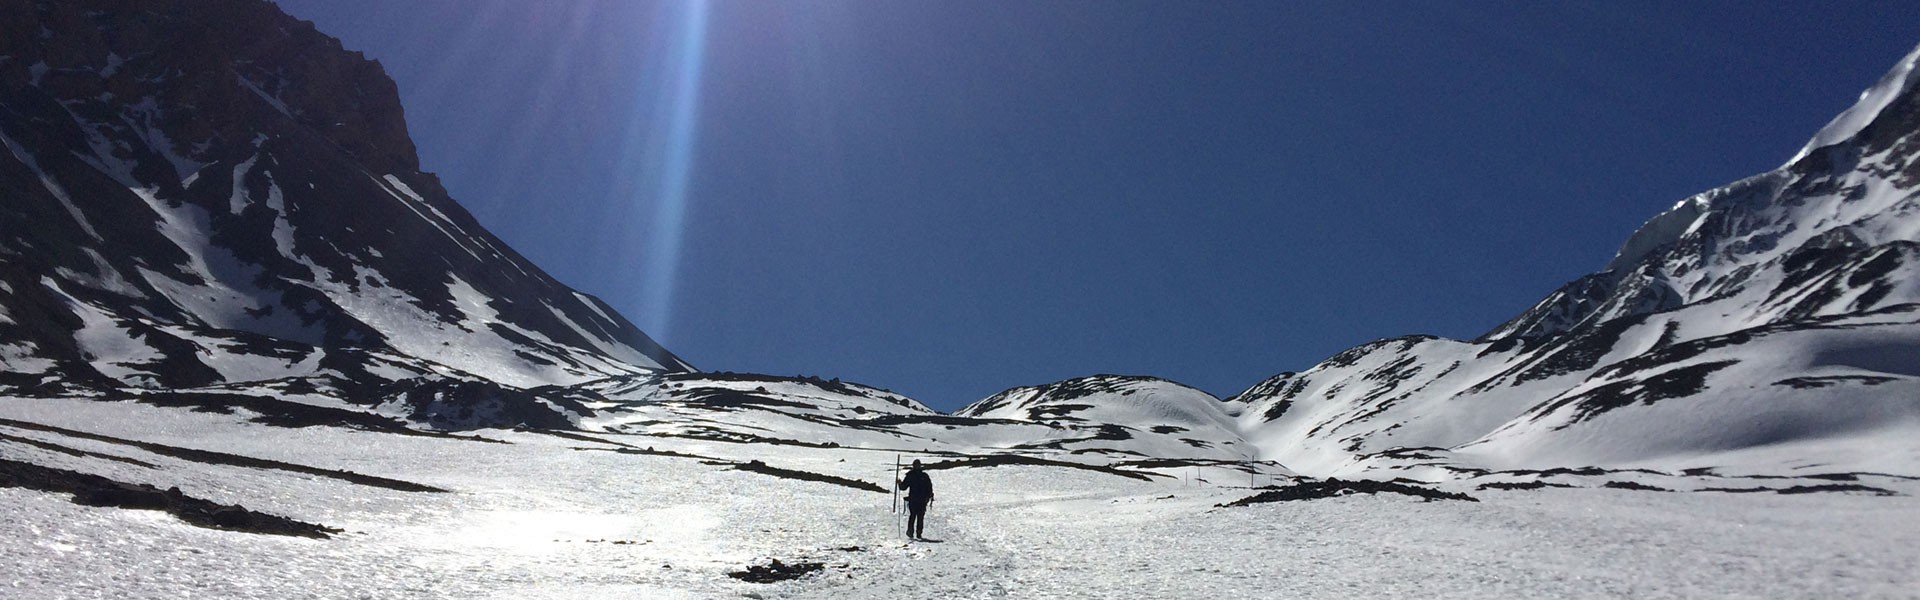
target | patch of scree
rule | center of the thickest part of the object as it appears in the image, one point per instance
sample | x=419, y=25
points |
x=1333, y=488
x=775, y=571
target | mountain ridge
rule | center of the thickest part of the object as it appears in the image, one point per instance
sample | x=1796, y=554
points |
x=208, y=219
x=212, y=193
x=1758, y=271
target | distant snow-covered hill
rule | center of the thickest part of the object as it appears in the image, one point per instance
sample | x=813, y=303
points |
x=1124, y=416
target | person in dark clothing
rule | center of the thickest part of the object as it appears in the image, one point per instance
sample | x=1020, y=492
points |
x=919, y=489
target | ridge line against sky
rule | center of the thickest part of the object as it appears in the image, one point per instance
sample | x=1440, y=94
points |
x=952, y=198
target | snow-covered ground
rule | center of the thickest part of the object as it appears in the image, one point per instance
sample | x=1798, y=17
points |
x=552, y=516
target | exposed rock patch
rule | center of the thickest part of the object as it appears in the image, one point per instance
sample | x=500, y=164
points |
x=1840, y=488
x=998, y=460
x=1520, y=485
x=775, y=571
x=234, y=460
x=1333, y=488
x=94, y=490
x=754, y=466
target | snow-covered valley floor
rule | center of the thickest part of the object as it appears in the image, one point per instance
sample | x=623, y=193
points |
x=548, y=516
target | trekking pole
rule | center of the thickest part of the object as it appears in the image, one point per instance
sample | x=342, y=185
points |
x=899, y=516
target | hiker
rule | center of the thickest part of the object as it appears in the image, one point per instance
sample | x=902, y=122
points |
x=919, y=492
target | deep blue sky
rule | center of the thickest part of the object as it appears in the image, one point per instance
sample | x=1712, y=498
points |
x=952, y=198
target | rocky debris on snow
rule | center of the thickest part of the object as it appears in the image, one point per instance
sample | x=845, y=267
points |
x=52, y=447
x=751, y=466
x=1177, y=463
x=1634, y=485
x=1092, y=432
x=1854, y=476
x=94, y=490
x=834, y=385
x=1695, y=479
x=1679, y=382
x=272, y=411
x=775, y=571
x=1242, y=466
x=1841, y=488
x=1333, y=488
x=1814, y=382
x=1521, y=485
x=998, y=460
x=712, y=434
x=1579, y=472
x=469, y=404
x=755, y=466
x=234, y=460
x=948, y=421
x=649, y=451
x=574, y=435
x=716, y=398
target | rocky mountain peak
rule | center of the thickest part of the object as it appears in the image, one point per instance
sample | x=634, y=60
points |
x=220, y=69
x=211, y=192
x=1891, y=100
x=1855, y=181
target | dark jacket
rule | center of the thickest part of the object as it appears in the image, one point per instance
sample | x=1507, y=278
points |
x=919, y=487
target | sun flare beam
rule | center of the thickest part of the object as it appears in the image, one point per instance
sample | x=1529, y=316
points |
x=670, y=132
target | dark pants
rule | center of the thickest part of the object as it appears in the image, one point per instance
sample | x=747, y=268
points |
x=916, y=516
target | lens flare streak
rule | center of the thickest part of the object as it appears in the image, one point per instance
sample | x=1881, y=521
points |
x=670, y=158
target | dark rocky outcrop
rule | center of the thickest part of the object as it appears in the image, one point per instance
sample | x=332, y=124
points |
x=1334, y=488
x=233, y=460
x=94, y=490
x=775, y=571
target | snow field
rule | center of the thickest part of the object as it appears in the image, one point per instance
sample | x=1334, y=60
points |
x=537, y=518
